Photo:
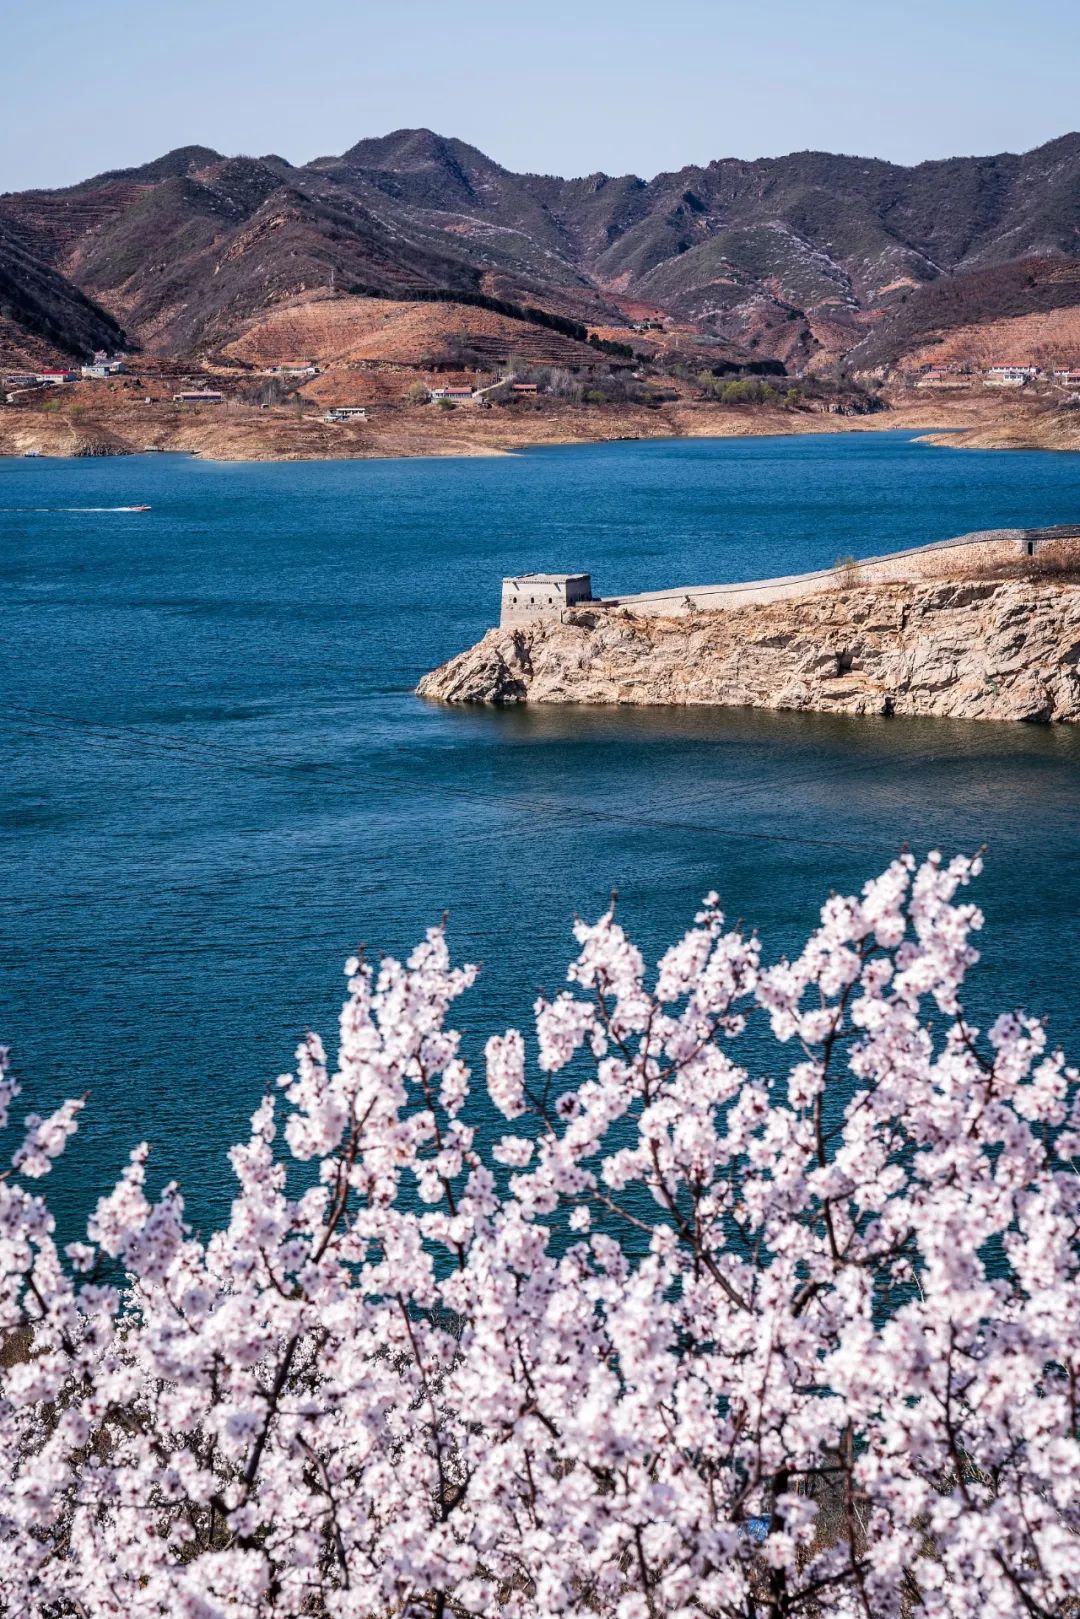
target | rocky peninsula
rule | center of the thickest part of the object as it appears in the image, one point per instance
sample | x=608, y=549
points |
x=966, y=648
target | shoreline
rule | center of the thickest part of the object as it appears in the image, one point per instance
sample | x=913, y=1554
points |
x=402, y=433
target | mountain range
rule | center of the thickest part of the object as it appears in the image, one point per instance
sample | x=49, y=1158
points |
x=814, y=260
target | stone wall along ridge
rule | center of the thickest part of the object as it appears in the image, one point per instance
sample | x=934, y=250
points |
x=940, y=559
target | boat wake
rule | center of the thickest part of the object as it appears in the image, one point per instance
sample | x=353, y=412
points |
x=52, y=509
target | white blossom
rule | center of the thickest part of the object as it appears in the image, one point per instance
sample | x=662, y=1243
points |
x=422, y=1369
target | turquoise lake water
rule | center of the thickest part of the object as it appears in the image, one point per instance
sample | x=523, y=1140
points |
x=215, y=780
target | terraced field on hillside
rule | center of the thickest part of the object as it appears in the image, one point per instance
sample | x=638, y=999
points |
x=346, y=330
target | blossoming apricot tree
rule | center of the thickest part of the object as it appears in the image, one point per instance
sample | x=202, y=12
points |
x=560, y=1377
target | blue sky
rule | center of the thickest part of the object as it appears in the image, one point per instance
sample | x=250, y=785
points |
x=566, y=87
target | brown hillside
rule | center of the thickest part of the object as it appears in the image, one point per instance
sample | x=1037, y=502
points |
x=1049, y=338
x=21, y=350
x=937, y=314
x=51, y=224
x=346, y=331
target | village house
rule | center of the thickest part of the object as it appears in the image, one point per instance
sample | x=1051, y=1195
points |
x=524, y=390
x=346, y=413
x=54, y=376
x=459, y=395
x=309, y=369
x=1011, y=376
x=103, y=368
x=941, y=376
x=1069, y=377
x=20, y=379
x=199, y=396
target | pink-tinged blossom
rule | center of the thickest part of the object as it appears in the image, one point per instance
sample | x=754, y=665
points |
x=424, y=1370
x=505, y=1054
x=513, y=1150
x=45, y=1139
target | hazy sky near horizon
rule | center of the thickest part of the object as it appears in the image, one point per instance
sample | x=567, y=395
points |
x=569, y=87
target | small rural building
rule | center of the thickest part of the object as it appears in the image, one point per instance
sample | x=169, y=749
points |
x=1069, y=377
x=104, y=368
x=942, y=376
x=20, y=379
x=308, y=369
x=346, y=413
x=199, y=396
x=530, y=596
x=459, y=395
x=524, y=389
x=1011, y=376
x=55, y=376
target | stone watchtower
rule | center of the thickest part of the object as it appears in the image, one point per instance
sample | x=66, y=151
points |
x=532, y=596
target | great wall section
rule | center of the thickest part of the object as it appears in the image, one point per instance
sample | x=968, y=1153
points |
x=983, y=626
x=527, y=598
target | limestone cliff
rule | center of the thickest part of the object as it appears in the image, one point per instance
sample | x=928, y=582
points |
x=994, y=649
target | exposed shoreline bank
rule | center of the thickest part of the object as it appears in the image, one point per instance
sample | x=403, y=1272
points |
x=248, y=434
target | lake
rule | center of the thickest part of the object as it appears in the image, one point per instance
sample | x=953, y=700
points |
x=215, y=780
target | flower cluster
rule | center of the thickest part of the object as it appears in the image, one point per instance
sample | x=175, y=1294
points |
x=573, y=1374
